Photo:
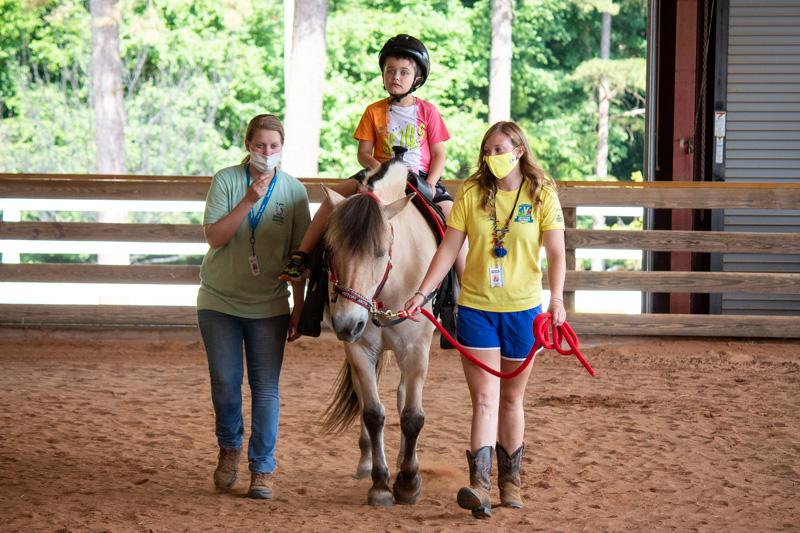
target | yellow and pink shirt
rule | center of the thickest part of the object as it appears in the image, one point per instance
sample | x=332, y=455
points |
x=416, y=128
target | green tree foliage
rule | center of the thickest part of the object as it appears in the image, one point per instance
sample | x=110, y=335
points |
x=199, y=70
x=44, y=87
x=195, y=72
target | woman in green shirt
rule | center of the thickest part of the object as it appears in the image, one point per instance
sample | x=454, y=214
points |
x=255, y=215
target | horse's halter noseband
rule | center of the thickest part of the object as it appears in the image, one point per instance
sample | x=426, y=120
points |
x=370, y=304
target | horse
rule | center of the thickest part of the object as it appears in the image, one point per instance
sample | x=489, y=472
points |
x=378, y=244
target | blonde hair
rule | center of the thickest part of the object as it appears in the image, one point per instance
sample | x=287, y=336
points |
x=262, y=122
x=532, y=172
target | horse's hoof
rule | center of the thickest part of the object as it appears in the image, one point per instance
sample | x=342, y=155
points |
x=363, y=472
x=382, y=498
x=407, y=493
x=405, y=499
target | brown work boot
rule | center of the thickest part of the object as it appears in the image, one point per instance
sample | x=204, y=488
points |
x=476, y=497
x=260, y=486
x=509, y=468
x=228, y=461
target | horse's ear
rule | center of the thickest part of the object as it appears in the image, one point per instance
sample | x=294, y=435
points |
x=333, y=197
x=398, y=205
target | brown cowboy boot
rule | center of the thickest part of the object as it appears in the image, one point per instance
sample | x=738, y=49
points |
x=508, y=476
x=476, y=497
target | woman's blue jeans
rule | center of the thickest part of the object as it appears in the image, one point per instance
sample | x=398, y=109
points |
x=264, y=341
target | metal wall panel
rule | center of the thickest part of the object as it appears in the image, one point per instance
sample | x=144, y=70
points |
x=762, y=140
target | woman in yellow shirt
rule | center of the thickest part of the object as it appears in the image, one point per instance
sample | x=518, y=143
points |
x=508, y=209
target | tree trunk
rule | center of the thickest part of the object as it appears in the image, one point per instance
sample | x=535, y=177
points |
x=288, y=30
x=604, y=102
x=303, y=119
x=109, y=110
x=500, y=66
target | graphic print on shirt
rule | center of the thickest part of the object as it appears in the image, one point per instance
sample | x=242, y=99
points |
x=410, y=137
x=417, y=127
x=277, y=215
x=524, y=214
x=407, y=131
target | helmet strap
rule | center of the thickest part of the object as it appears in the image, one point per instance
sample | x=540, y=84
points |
x=393, y=99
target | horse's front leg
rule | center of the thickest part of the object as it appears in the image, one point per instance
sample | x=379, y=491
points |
x=407, y=486
x=414, y=366
x=373, y=419
x=364, y=468
x=401, y=403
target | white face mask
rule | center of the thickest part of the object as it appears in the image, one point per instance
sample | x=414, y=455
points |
x=265, y=163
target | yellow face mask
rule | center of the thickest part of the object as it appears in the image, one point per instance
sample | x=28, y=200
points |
x=501, y=165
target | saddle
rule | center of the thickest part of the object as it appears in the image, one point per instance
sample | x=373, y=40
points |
x=444, y=303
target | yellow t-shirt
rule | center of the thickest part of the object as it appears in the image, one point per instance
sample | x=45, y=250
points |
x=522, y=277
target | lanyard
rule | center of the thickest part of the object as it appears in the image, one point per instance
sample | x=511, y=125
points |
x=256, y=218
x=499, y=234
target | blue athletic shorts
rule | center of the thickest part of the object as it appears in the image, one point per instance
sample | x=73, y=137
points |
x=511, y=332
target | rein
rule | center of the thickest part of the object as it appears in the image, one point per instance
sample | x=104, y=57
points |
x=541, y=331
x=431, y=214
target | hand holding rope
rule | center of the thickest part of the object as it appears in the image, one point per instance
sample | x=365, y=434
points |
x=541, y=331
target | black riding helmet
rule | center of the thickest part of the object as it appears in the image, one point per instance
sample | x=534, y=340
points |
x=406, y=45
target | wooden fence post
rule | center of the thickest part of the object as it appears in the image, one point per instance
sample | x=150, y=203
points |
x=570, y=222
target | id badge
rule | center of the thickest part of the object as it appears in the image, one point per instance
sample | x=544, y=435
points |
x=496, y=276
x=254, y=268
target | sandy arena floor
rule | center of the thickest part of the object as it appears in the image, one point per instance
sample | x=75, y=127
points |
x=672, y=435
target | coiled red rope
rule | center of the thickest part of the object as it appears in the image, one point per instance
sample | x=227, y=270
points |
x=541, y=331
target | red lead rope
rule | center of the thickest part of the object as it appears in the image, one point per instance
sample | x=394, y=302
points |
x=541, y=331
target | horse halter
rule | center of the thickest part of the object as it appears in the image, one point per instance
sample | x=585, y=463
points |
x=370, y=304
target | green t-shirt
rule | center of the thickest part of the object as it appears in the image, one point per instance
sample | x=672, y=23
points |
x=227, y=284
x=522, y=287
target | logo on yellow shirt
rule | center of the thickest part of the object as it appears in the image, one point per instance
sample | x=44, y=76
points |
x=524, y=214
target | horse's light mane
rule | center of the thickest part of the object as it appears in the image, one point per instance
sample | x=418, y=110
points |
x=357, y=227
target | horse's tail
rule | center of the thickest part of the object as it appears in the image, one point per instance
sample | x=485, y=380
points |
x=344, y=407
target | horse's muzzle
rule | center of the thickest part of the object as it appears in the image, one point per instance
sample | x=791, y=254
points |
x=348, y=329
